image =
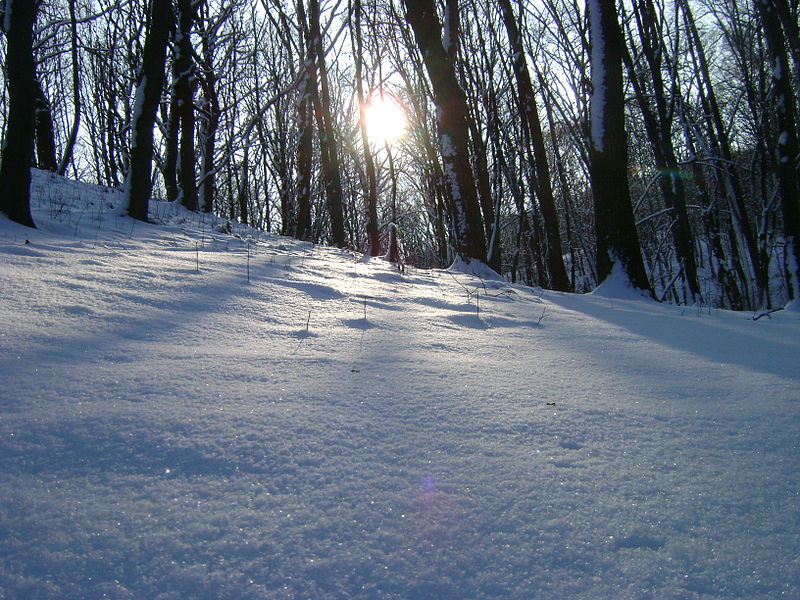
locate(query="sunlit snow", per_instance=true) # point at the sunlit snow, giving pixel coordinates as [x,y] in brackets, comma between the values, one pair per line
[334,429]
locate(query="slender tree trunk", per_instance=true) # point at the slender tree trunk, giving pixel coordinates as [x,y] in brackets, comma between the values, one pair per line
[329,152]
[209,136]
[15,168]
[243,195]
[529,113]
[658,126]
[617,239]
[372,224]
[171,144]
[138,183]
[730,179]
[66,157]
[393,253]
[304,153]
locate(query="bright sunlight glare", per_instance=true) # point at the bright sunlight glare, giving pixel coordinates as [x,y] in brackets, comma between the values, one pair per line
[384,118]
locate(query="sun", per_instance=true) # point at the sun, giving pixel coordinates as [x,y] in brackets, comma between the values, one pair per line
[384,118]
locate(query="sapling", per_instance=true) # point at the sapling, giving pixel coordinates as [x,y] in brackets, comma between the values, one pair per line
[544,312]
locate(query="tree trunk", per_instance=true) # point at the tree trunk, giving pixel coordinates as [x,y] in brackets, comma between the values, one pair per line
[15,168]
[529,113]
[45,136]
[305,150]
[66,157]
[729,177]
[371,199]
[658,126]
[470,241]
[787,154]
[171,144]
[617,240]
[184,92]
[209,136]
[138,184]
[243,195]
[329,153]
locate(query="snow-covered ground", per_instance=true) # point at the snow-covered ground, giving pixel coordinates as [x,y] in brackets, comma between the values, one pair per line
[334,429]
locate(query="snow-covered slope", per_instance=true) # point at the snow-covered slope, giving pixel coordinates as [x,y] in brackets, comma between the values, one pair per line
[334,429]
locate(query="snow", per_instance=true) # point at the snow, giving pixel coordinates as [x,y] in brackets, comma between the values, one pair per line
[476,268]
[618,285]
[336,429]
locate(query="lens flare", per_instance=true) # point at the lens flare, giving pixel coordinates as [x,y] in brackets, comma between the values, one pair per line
[434,512]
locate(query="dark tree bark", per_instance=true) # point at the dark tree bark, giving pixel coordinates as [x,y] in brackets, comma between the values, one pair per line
[305,148]
[184,92]
[470,240]
[45,136]
[617,240]
[66,157]
[243,192]
[15,168]
[169,170]
[211,119]
[787,153]
[329,153]
[369,163]
[138,183]
[726,170]
[529,113]
[658,125]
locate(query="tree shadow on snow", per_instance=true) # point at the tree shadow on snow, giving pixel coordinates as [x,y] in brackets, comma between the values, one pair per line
[721,336]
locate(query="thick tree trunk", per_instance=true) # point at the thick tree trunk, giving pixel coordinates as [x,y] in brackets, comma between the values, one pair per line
[787,152]
[138,183]
[184,92]
[470,240]
[15,168]
[617,239]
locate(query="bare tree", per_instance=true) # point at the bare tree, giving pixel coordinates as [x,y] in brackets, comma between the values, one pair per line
[470,241]
[138,184]
[371,203]
[15,167]
[657,116]
[617,239]
[529,114]
[787,152]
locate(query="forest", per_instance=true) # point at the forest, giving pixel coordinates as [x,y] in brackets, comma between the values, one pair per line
[556,141]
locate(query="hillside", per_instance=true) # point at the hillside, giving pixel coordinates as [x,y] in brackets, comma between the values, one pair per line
[186,413]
